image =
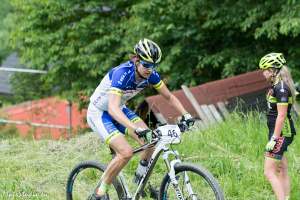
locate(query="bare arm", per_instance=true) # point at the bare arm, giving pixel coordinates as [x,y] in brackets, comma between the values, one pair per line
[282,111]
[165,92]
[115,111]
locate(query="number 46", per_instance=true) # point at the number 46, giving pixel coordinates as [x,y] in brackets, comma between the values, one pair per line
[172,133]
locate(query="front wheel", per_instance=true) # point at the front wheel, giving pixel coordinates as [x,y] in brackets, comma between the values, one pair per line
[84,179]
[194,182]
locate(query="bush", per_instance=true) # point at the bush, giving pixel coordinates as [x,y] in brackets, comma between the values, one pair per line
[8,131]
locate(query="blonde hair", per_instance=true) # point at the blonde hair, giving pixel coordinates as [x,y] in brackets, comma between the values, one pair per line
[286,77]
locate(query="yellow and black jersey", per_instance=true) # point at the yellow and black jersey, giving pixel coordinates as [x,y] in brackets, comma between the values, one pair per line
[279,94]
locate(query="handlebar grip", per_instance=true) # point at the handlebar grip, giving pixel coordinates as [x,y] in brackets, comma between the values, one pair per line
[182,126]
[143,133]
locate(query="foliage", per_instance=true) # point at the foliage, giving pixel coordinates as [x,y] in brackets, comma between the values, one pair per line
[232,151]
[4,28]
[30,86]
[205,40]
[76,41]
[202,40]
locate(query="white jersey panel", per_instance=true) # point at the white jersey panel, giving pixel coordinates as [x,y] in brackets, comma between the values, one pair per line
[121,78]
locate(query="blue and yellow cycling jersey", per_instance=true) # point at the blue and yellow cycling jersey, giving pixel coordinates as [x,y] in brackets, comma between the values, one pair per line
[121,81]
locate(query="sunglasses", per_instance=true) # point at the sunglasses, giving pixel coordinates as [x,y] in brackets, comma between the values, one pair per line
[148,65]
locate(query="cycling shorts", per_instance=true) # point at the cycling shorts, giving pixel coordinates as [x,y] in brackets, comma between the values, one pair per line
[281,146]
[105,126]
[282,143]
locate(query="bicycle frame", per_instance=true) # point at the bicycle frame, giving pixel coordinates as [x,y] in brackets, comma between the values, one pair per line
[164,137]
[159,148]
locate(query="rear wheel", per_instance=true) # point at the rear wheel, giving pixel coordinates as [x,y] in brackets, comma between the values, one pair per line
[85,177]
[194,182]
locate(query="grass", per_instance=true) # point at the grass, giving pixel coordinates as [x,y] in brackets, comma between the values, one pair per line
[232,151]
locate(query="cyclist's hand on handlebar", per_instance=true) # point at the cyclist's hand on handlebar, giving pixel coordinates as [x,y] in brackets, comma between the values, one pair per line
[144,133]
[187,120]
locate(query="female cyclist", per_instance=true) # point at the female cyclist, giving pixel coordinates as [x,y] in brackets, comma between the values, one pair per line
[280,98]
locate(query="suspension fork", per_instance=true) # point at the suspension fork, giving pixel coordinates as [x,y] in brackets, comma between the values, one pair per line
[189,186]
[173,179]
[166,154]
[171,168]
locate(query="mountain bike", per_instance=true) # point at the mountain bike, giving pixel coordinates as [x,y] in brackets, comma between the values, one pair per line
[182,181]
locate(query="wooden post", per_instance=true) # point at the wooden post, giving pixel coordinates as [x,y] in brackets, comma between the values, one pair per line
[200,125]
[195,104]
[208,113]
[69,113]
[215,112]
[223,109]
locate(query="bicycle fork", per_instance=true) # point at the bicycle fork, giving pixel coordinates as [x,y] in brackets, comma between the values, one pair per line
[189,187]
[173,178]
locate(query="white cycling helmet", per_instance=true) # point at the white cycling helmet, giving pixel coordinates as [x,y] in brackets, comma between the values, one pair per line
[148,51]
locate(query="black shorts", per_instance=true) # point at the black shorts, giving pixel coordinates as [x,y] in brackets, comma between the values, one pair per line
[281,146]
[286,138]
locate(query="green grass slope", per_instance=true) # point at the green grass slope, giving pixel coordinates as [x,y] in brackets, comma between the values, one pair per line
[232,151]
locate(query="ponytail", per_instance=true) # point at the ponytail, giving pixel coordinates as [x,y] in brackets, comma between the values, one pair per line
[286,77]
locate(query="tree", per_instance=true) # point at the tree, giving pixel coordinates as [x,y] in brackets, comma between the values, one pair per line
[77,41]
[4,28]
[206,40]
[202,40]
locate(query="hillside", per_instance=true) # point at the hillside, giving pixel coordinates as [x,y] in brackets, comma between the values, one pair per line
[232,151]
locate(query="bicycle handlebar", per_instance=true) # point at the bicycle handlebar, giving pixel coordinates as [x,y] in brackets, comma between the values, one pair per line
[182,126]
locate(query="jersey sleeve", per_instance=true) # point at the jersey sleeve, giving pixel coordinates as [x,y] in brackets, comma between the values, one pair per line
[282,94]
[155,80]
[118,81]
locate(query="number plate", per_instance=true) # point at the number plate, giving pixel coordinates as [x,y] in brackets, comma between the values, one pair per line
[170,134]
